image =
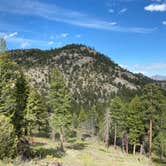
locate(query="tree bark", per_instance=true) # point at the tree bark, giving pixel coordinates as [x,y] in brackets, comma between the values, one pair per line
[127,143]
[150,136]
[161,153]
[134,147]
[53,135]
[61,139]
[123,145]
[115,133]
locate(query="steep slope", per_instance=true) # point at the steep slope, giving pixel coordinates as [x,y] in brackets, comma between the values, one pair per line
[90,75]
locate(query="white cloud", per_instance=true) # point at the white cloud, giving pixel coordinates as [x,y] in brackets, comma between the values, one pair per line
[111,10]
[150,67]
[55,13]
[24,44]
[50,43]
[64,35]
[78,36]
[156,7]
[123,10]
[164,22]
[8,36]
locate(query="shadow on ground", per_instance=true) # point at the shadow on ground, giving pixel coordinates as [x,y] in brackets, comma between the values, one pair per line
[77,146]
[160,162]
[43,152]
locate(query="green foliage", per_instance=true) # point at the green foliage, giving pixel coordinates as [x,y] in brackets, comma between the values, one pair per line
[36,112]
[8,139]
[135,121]
[59,100]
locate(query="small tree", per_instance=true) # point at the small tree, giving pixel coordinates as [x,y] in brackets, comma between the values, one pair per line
[59,100]
[116,107]
[135,122]
[8,139]
[36,112]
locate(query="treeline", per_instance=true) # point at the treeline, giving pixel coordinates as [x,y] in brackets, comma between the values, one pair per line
[137,125]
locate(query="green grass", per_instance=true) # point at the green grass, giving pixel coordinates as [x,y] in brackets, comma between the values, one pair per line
[78,153]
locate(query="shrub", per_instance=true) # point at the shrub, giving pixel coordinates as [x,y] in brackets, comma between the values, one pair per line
[8,140]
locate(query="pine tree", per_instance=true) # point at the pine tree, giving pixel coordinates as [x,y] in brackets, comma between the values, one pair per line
[107,126]
[116,110]
[135,122]
[59,99]
[152,97]
[13,96]
[36,112]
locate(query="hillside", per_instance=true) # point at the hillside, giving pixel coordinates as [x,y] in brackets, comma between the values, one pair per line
[90,75]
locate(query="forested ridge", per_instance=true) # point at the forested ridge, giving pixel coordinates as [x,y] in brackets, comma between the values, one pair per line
[75,96]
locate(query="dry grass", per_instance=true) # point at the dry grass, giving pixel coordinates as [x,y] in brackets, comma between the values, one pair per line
[78,153]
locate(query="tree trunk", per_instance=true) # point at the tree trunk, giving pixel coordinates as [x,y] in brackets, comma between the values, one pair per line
[134,147]
[115,133]
[127,143]
[150,136]
[141,149]
[53,135]
[123,145]
[161,153]
[61,139]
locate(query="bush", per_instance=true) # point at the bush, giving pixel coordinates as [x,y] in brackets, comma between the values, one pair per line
[8,139]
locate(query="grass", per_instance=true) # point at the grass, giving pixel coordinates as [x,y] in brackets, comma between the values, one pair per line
[79,153]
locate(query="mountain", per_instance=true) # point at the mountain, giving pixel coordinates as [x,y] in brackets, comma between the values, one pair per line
[90,75]
[159,77]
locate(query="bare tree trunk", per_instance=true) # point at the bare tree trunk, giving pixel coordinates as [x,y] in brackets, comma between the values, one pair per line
[115,133]
[161,153]
[134,147]
[142,148]
[150,137]
[123,145]
[53,135]
[127,143]
[61,139]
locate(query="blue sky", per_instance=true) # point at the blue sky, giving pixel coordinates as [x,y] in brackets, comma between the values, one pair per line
[131,32]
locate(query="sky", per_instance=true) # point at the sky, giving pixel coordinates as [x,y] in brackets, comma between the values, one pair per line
[131,32]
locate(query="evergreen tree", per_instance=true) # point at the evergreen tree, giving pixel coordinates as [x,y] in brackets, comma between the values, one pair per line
[116,111]
[36,112]
[135,122]
[106,127]
[152,98]
[13,95]
[59,99]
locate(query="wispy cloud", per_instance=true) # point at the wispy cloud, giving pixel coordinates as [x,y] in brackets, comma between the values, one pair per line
[22,42]
[164,22]
[78,35]
[146,69]
[56,13]
[7,36]
[123,10]
[156,7]
[111,10]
